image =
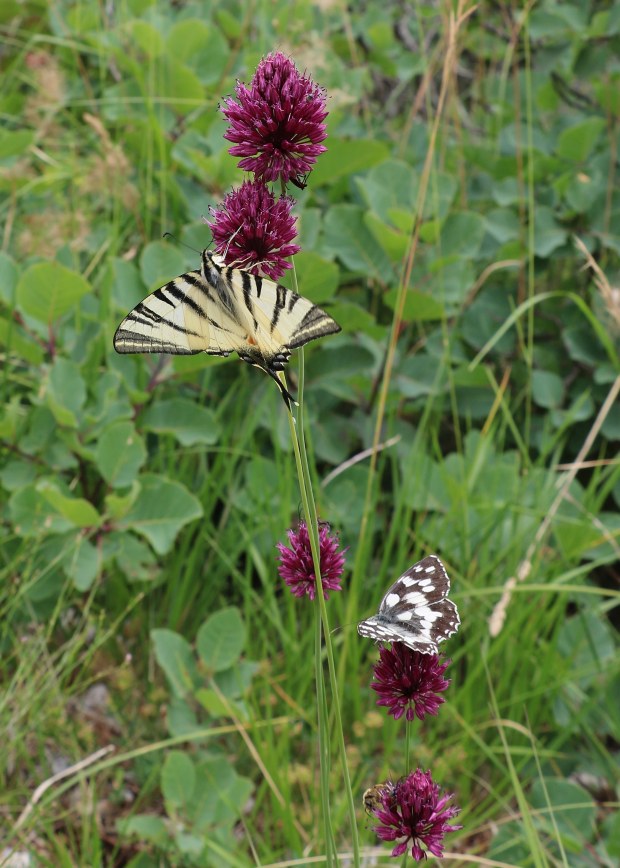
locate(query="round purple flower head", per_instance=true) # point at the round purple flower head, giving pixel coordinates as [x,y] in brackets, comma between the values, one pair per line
[297,569]
[253,231]
[409,682]
[412,809]
[277,123]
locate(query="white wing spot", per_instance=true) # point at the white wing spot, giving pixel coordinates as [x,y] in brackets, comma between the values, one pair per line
[415,598]
[405,616]
[427,614]
[408,581]
[392,600]
[429,570]
[424,582]
[417,569]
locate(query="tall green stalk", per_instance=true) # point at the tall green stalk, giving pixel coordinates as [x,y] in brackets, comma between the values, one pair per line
[310,515]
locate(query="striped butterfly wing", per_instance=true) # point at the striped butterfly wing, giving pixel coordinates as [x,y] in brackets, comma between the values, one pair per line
[182,317]
[279,319]
[219,310]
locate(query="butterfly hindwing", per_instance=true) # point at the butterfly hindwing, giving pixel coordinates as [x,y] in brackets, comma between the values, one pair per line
[283,320]
[416,610]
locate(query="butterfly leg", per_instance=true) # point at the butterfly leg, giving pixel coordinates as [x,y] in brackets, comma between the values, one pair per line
[286,395]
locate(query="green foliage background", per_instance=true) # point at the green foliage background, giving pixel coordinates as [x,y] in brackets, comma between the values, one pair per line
[142,497]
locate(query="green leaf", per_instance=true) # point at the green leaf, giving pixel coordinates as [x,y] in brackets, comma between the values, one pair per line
[189,422]
[127,286]
[391,190]
[347,156]
[318,278]
[32,514]
[577,141]
[161,262]
[160,511]
[66,392]
[347,237]
[77,510]
[462,234]
[186,38]
[82,564]
[16,474]
[174,655]
[119,455]
[608,91]
[179,86]
[8,279]
[391,184]
[503,224]
[178,780]
[203,48]
[146,827]
[48,290]
[117,506]
[18,343]
[181,715]
[392,241]
[221,639]
[133,556]
[583,190]
[419,306]
[547,388]
[15,143]
[574,811]
[145,37]
[418,376]
[549,235]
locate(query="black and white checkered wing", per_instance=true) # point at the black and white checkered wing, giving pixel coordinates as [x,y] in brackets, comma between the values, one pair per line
[416,610]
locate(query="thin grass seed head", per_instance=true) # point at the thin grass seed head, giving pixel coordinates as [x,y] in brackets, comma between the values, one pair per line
[277,123]
[254,231]
[414,810]
[297,568]
[409,683]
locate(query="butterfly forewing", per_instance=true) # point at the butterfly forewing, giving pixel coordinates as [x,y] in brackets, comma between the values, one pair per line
[416,610]
[179,318]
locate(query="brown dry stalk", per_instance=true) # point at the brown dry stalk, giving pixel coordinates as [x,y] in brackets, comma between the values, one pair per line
[498,616]
[455,22]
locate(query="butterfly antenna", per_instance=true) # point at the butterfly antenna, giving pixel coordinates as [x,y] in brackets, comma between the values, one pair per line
[181,243]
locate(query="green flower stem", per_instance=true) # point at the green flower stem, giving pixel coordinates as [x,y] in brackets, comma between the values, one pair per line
[309,506]
[305,484]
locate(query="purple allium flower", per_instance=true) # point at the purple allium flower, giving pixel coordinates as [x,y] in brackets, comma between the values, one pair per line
[253,231]
[409,682]
[277,122]
[412,809]
[297,569]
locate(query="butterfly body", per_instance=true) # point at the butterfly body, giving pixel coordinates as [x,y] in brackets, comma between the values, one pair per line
[416,610]
[218,310]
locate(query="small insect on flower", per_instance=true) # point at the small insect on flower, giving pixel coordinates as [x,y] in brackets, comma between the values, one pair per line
[297,567]
[415,811]
[416,610]
[301,181]
[374,797]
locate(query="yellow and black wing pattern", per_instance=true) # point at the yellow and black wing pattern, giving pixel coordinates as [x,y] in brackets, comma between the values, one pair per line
[220,309]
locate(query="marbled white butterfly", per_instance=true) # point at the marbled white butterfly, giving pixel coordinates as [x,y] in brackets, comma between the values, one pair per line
[416,610]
